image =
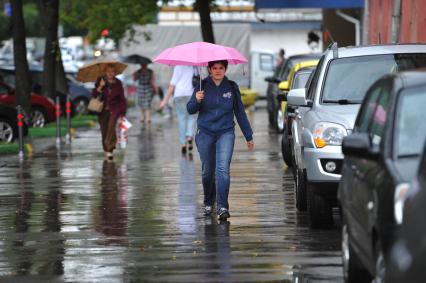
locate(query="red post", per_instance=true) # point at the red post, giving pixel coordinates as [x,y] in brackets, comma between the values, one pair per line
[58,120]
[20,131]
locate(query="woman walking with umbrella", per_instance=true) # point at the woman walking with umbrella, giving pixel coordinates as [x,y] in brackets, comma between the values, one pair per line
[217,101]
[216,105]
[111,91]
[146,85]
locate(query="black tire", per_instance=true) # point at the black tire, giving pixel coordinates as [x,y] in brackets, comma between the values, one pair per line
[380,263]
[38,117]
[8,131]
[279,120]
[286,148]
[320,212]
[353,270]
[301,199]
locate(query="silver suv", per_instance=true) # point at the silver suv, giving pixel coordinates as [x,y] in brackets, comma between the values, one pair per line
[326,113]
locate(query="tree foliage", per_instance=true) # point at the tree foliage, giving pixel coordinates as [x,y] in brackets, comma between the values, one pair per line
[117,16]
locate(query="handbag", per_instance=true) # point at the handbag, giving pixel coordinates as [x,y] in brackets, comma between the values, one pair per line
[95,105]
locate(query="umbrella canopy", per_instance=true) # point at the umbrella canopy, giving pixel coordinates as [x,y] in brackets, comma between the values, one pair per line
[90,72]
[199,54]
[137,59]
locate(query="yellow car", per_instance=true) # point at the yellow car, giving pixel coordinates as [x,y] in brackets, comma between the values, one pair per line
[248,96]
[285,86]
[297,78]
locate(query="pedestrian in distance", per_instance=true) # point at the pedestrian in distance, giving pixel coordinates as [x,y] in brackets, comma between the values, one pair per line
[280,59]
[181,89]
[217,104]
[145,90]
[111,91]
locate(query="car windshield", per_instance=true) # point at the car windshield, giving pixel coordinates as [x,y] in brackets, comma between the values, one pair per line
[348,79]
[300,79]
[410,126]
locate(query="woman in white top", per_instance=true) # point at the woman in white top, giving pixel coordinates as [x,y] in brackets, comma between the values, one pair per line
[181,88]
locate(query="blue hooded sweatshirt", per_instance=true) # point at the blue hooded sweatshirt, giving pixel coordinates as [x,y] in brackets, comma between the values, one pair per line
[217,109]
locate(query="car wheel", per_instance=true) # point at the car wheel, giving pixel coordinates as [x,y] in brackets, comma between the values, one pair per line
[279,121]
[353,270]
[301,201]
[81,106]
[7,135]
[320,212]
[380,265]
[286,149]
[38,117]
[269,107]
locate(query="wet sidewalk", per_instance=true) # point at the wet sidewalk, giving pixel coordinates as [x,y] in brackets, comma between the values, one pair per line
[70,216]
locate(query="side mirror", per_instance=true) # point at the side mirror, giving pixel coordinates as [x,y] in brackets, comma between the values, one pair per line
[359,145]
[283,86]
[272,80]
[297,97]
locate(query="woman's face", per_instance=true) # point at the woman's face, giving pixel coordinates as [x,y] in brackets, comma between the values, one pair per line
[217,71]
[110,73]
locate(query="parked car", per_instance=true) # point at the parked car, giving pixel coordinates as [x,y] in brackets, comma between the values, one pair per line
[79,94]
[7,74]
[327,112]
[297,78]
[9,124]
[42,108]
[381,158]
[280,75]
[408,255]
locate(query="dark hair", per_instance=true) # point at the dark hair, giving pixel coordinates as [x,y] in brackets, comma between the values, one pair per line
[222,62]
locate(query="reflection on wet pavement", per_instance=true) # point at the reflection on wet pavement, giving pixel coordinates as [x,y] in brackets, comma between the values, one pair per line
[69,216]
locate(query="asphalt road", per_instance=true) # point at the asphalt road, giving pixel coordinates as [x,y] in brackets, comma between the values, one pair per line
[69,216]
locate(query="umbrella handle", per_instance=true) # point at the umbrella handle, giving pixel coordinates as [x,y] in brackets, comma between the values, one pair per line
[199,73]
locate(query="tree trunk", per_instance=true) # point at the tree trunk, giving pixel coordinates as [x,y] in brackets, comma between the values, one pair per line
[203,7]
[61,81]
[22,74]
[50,14]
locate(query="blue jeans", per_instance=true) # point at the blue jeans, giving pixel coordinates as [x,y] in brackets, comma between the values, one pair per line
[186,122]
[216,155]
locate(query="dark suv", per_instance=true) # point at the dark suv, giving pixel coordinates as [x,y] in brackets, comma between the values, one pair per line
[381,158]
[281,74]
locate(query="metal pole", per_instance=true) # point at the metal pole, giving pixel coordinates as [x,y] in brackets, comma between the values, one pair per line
[396,19]
[199,73]
[58,121]
[355,21]
[20,131]
[68,110]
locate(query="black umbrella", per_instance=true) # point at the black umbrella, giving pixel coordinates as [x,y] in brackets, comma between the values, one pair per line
[137,59]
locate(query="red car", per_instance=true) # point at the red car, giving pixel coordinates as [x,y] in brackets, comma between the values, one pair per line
[42,108]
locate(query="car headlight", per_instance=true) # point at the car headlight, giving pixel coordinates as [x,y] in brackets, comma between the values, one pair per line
[399,199]
[328,134]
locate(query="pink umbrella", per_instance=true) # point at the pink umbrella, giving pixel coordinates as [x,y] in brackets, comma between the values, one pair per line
[199,54]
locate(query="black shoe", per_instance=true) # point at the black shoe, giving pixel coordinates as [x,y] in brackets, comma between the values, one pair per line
[223,214]
[208,209]
[190,147]
[183,149]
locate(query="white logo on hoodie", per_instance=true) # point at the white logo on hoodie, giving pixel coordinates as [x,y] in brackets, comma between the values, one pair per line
[227,94]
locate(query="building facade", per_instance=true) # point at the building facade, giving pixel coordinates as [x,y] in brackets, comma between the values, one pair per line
[401,21]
